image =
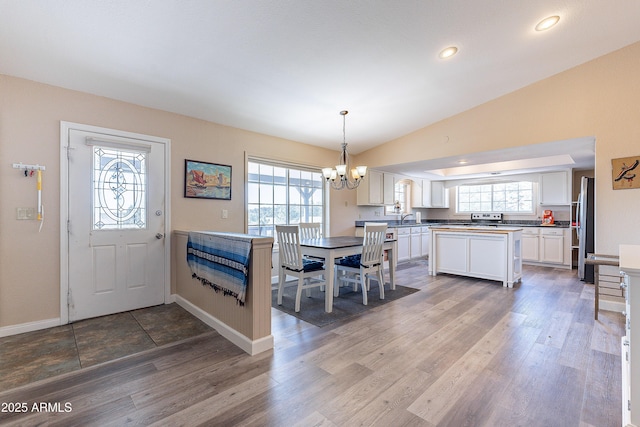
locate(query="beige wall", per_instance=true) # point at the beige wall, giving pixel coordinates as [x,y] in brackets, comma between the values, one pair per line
[600,98]
[30,115]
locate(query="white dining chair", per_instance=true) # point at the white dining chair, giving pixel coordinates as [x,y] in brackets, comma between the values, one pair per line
[358,268]
[293,264]
[310,230]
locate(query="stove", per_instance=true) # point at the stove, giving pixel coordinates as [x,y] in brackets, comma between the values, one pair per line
[486,219]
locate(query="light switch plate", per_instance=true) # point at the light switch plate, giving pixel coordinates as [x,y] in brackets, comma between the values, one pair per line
[25,213]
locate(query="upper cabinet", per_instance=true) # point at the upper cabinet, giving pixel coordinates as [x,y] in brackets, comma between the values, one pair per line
[555,188]
[376,189]
[389,188]
[439,195]
[430,194]
[369,192]
[416,193]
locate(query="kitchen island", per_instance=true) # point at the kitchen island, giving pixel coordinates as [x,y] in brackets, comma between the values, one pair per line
[493,253]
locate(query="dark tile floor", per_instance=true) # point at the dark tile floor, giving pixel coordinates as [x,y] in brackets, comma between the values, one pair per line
[37,355]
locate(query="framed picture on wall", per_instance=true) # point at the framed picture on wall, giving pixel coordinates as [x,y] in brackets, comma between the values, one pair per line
[203,180]
[626,172]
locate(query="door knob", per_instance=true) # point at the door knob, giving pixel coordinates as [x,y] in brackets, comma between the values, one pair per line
[159,236]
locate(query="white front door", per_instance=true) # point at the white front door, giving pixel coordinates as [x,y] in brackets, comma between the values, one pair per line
[116,222]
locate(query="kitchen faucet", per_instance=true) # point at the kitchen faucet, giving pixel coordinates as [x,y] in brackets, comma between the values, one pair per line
[403,217]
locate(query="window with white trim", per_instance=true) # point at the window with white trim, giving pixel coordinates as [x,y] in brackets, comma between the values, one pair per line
[280,194]
[508,197]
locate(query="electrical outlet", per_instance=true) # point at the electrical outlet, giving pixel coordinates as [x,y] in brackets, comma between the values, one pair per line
[25,213]
[225,214]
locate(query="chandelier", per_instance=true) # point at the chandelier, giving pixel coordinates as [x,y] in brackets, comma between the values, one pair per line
[343,176]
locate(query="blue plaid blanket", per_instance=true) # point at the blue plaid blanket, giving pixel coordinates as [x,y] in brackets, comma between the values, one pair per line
[220,260]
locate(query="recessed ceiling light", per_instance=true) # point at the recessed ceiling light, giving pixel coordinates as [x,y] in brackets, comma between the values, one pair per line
[547,23]
[448,52]
[462,162]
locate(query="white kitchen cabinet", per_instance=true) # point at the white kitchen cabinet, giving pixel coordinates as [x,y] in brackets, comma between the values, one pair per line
[439,195]
[554,188]
[376,189]
[531,244]
[452,253]
[434,194]
[416,193]
[404,243]
[630,345]
[416,242]
[424,237]
[413,242]
[370,190]
[426,193]
[552,246]
[494,255]
[388,188]
[487,256]
[548,246]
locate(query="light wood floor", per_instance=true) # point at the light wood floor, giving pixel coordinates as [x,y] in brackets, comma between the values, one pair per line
[461,352]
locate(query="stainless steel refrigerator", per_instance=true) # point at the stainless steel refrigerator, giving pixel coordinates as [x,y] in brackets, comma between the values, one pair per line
[585,227]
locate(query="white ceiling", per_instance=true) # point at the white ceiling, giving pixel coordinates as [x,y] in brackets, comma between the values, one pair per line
[287,68]
[578,153]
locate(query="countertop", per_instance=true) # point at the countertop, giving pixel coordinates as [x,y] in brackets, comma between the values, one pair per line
[630,257]
[439,223]
[475,229]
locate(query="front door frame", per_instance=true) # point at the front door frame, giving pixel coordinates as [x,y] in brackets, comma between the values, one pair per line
[65,128]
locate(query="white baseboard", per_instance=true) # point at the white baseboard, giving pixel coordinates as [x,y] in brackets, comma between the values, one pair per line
[242,341]
[6,331]
[545,264]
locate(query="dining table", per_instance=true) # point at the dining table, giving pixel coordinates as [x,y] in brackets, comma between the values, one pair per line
[334,247]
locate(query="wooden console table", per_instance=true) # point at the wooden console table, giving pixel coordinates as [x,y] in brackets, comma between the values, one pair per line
[597,260]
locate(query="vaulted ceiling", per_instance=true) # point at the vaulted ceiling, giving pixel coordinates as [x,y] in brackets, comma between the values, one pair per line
[287,68]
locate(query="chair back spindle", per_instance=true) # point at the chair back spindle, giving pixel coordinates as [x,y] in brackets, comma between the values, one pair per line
[310,230]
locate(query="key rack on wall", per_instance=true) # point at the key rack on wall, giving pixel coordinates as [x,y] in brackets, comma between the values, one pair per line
[28,168]
[28,172]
